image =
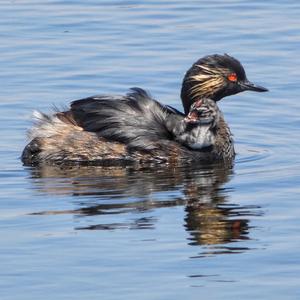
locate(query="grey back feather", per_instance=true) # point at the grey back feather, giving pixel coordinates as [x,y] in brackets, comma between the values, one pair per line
[135,119]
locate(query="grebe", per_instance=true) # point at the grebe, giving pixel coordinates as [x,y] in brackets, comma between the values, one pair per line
[135,128]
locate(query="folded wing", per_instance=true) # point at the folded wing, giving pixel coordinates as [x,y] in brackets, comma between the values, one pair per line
[135,119]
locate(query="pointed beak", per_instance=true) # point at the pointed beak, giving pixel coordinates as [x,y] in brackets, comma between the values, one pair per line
[249,86]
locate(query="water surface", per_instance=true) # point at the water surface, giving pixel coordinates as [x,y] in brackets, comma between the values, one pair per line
[164,233]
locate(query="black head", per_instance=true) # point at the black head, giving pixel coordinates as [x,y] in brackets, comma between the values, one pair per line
[215,76]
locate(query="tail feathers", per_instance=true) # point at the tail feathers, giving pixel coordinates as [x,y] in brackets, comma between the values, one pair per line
[50,125]
[47,133]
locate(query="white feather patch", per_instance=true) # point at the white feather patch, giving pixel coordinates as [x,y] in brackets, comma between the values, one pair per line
[46,126]
[200,137]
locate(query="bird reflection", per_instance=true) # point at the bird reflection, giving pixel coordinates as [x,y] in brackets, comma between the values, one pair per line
[210,218]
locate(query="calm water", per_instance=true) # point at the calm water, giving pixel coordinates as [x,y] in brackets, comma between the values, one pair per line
[117,233]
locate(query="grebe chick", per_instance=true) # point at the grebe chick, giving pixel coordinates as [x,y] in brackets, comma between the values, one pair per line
[108,130]
[198,129]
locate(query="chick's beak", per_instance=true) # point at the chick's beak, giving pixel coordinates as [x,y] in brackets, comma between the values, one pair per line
[249,86]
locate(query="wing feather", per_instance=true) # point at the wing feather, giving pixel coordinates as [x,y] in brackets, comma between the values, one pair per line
[135,119]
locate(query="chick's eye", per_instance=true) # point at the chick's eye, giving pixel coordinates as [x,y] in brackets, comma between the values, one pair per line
[232,77]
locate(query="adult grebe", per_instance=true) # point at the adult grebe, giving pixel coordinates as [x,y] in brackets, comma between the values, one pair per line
[135,128]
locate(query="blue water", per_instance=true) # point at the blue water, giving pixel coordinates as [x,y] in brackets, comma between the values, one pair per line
[117,233]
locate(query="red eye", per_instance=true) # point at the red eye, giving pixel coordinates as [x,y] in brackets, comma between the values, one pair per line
[232,77]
